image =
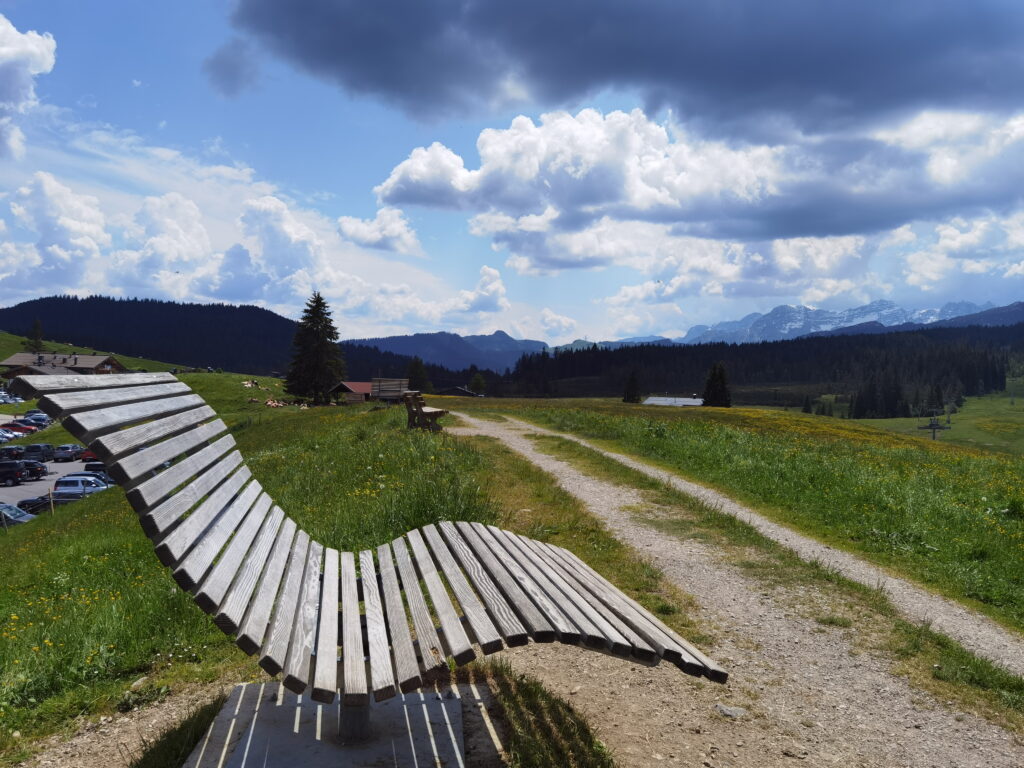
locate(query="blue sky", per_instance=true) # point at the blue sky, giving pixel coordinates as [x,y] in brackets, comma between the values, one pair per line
[558,170]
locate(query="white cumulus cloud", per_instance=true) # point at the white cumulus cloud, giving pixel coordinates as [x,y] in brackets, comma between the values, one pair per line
[388,230]
[23,56]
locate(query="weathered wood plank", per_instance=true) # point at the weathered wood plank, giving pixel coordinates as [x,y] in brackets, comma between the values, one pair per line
[298,662]
[31,387]
[459,646]
[233,606]
[261,603]
[536,623]
[431,653]
[511,627]
[382,678]
[325,665]
[134,466]
[406,668]
[65,403]
[275,647]
[88,425]
[215,586]
[149,492]
[193,567]
[486,635]
[589,634]
[354,692]
[114,446]
[158,520]
[625,642]
[564,629]
[676,649]
[173,547]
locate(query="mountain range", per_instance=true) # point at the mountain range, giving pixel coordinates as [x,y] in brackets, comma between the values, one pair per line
[255,340]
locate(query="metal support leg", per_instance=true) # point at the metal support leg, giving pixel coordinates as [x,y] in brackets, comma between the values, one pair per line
[354,725]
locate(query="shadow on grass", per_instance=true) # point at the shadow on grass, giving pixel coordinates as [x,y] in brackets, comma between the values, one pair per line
[174,745]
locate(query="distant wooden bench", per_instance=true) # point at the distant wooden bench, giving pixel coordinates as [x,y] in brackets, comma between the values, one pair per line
[389,390]
[331,620]
[420,414]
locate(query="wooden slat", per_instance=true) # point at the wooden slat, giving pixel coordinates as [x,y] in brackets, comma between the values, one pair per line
[275,647]
[88,425]
[173,547]
[215,586]
[536,623]
[325,666]
[577,610]
[431,652]
[273,537]
[261,603]
[134,466]
[191,570]
[157,521]
[624,640]
[620,643]
[564,629]
[458,641]
[111,447]
[151,491]
[31,387]
[486,635]
[353,689]
[511,627]
[298,663]
[406,668]
[66,403]
[692,658]
[382,678]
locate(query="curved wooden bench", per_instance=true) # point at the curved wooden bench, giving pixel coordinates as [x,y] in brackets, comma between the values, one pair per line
[278,592]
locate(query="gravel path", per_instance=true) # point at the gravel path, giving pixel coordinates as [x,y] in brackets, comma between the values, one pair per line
[807,693]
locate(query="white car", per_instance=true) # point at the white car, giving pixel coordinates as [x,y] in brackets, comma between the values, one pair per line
[77,487]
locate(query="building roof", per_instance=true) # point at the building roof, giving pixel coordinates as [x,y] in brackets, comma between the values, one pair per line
[51,359]
[676,401]
[359,387]
[457,392]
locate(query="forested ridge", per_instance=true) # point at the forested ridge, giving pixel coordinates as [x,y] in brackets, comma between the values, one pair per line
[877,375]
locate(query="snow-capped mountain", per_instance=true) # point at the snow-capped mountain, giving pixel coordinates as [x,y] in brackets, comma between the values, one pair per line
[789,322]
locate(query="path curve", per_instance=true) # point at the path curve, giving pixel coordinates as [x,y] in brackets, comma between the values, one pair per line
[974,631]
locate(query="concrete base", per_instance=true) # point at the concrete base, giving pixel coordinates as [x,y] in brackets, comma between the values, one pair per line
[266,726]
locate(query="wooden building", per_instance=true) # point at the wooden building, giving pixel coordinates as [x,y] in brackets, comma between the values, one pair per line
[59,364]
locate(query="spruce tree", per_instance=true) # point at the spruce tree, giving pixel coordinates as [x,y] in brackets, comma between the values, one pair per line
[34,342]
[632,393]
[317,365]
[417,375]
[478,385]
[716,390]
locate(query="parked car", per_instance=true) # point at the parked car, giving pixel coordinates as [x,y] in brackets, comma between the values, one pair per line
[77,486]
[100,470]
[88,455]
[35,412]
[13,516]
[35,504]
[35,469]
[12,473]
[12,452]
[68,452]
[39,451]
[22,429]
[40,421]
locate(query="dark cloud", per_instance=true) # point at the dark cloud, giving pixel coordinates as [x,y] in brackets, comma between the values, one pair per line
[813,65]
[233,67]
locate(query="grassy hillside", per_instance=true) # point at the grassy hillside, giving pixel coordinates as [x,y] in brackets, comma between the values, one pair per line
[948,516]
[993,422]
[10,343]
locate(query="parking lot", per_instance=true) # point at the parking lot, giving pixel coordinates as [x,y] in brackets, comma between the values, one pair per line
[26,490]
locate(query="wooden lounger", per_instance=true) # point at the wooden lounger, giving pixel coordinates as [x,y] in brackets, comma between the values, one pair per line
[359,622]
